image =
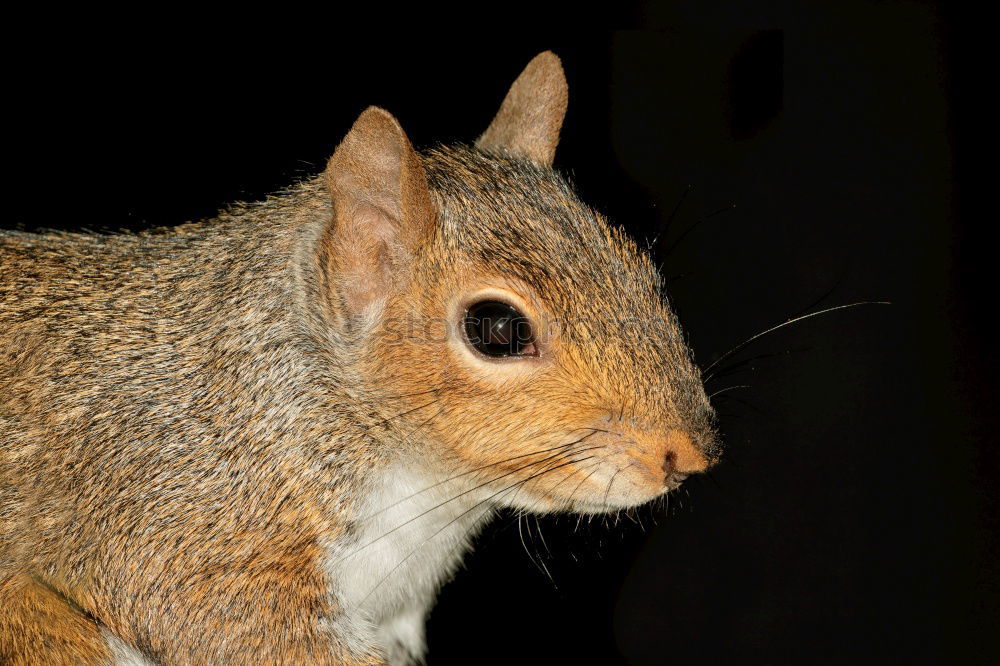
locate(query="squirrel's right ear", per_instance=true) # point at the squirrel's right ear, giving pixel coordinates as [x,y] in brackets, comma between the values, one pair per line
[532,113]
[382,210]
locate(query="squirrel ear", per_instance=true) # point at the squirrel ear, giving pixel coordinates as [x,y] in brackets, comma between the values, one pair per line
[382,209]
[532,113]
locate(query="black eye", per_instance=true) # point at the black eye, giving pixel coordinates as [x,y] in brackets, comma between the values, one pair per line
[498,329]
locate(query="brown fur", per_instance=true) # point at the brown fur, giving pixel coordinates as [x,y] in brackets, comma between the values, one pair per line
[188,417]
[43,627]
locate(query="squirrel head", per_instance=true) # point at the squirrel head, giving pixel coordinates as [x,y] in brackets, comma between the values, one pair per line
[517,335]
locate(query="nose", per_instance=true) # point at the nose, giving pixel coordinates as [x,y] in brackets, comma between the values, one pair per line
[669,464]
[682,456]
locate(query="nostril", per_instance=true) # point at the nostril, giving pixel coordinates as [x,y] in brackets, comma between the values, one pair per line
[669,464]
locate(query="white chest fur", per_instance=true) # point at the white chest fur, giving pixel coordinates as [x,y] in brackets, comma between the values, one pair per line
[415,527]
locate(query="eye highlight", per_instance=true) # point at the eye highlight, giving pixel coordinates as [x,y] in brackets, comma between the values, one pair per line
[497,329]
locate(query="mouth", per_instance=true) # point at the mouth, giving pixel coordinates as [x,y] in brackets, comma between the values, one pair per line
[609,504]
[614,473]
[674,481]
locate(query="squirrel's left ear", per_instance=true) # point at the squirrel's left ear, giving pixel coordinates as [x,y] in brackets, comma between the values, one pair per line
[532,113]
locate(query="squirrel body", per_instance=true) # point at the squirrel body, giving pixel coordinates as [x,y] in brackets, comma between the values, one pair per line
[269,437]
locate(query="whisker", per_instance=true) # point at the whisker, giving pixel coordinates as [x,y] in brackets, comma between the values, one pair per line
[541,560]
[694,225]
[825,295]
[680,276]
[389,419]
[665,227]
[637,518]
[714,480]
[748,405]
[538,563]
[538,527]
[736,366]
[613,477]
[728,388]
[570,476]
[552,489]
[436,389]
[423,424]
[596,466]
[782,325]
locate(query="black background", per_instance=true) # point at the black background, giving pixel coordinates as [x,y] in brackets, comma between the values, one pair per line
[852,519]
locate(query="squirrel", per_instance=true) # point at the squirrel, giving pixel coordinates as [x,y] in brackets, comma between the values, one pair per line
[269,437]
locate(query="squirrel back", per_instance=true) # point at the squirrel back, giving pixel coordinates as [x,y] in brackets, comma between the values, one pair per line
[268,437]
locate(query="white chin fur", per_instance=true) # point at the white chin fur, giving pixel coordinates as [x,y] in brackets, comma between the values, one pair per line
[413,531]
